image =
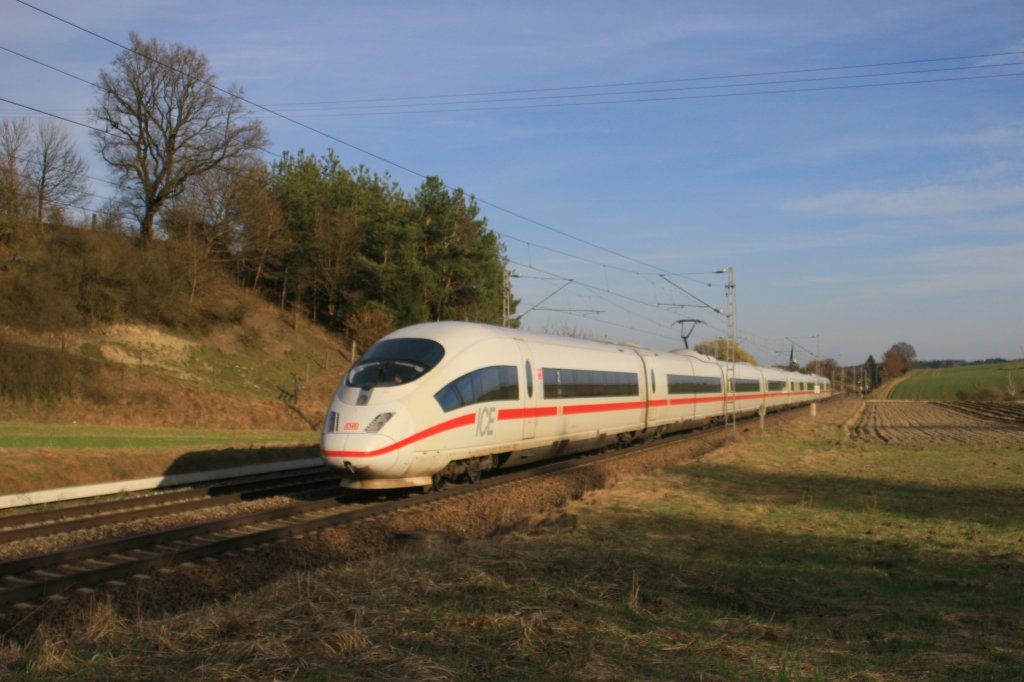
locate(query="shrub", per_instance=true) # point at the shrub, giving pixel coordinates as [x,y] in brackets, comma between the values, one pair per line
[71,277]
[28,373]
[369,324]
[987,394]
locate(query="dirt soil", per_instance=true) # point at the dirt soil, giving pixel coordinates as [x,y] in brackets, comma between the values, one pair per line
[920,423]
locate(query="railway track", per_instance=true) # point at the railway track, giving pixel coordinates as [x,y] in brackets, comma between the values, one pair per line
[68,518]
[27,580]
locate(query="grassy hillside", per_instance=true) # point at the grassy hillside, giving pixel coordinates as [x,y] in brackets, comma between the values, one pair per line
[971,382]
[263,369]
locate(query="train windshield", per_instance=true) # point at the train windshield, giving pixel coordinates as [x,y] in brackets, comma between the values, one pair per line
[395,361]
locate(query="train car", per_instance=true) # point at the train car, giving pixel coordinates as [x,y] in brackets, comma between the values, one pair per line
[449,400]
[695,386]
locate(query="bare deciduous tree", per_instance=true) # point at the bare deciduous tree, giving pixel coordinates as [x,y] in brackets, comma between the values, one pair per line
[204,219]
[167,123]
[15,139]
[56,171]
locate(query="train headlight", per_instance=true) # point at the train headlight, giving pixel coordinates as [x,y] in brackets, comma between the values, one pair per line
[379,421]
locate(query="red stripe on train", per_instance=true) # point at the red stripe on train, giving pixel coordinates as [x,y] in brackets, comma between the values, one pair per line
[603,407]
[527,413]
[464,420]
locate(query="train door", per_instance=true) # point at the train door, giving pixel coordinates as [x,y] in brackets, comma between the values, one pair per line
[647,385]
[531,391]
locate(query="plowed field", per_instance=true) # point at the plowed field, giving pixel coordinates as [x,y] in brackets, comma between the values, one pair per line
[921,423]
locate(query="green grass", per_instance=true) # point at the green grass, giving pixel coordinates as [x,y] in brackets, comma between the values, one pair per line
[46,456]
[951,383]
[24,436]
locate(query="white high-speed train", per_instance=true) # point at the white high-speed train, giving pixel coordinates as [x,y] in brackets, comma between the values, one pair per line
[448,400]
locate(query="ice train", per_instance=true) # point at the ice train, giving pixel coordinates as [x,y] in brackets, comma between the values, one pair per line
[449,400]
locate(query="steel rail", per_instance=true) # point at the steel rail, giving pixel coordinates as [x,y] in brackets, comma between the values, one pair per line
[72,508]
[163,507]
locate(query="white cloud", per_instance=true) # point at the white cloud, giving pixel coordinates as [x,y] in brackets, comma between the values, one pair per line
[955,270]
[1006,140]
[934,200]
[973,258]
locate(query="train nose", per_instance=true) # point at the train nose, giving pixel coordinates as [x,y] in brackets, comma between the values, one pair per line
[360,454]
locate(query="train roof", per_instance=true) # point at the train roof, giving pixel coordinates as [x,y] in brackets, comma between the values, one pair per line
[687,353]
[453,334]
[460,334]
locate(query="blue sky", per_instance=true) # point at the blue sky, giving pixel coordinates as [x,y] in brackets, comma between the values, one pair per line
[860,215]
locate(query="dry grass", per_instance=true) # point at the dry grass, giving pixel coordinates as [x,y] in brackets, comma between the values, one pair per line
[779,557]
[145,375]
[45,469]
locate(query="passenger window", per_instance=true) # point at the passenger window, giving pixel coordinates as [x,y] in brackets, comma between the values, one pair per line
[529,380]
[654,387]
[482,386]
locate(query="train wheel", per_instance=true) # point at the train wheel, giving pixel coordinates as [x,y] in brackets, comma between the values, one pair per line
[437,482]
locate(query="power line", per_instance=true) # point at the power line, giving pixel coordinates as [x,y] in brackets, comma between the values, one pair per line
[34,196]
[583,284]
[377,108]
[670,80]
[36,61]
[599,290]
[568,255]
[36,162]
[87,82]
[62,118]
[783,91]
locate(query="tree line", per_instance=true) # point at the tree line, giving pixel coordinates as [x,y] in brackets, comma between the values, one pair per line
[345,246]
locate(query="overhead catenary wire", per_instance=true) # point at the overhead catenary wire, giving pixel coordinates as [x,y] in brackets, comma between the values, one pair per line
[599,291]
[384,108]
[756,93]
[760,74]
[425,100]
